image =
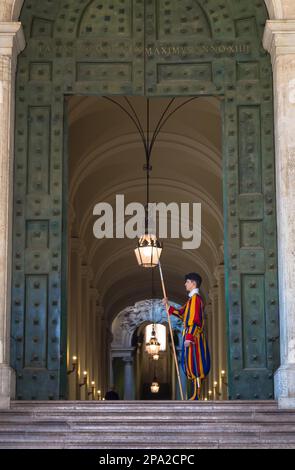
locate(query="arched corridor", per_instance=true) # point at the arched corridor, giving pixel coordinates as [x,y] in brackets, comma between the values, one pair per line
[106,159]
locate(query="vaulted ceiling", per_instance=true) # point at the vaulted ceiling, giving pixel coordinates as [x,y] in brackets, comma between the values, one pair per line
[106,158]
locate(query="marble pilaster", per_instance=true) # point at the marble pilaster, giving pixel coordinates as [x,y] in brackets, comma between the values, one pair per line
[279,40]
[12,42]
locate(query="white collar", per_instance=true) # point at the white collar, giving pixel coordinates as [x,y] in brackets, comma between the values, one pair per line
[193,292]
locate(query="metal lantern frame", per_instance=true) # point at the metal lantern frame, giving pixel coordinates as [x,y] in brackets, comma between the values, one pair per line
[148,242]
[153,347]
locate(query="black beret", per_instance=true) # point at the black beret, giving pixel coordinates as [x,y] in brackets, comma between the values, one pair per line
[194,277]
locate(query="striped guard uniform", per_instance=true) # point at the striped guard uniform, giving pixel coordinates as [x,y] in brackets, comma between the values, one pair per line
[196,358]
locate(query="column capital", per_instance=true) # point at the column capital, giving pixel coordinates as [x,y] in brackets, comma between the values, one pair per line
[71,216]
[12,39]
[94,293]
[219,272]
[279,37]
[84,271]
[99,310]
[109,334]
[221,252]
[87,272]
[104,320]
[208,309]
[90,274]
[213,293]
[77,245]
[128,360]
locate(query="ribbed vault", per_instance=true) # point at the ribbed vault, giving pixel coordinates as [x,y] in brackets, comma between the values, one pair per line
[106,158]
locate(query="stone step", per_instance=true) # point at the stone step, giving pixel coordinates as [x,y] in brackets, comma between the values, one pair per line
[172,422]
[143,408]
[209,443]
[49,428]
[146,425]
[130,420]
[108,433]
[144,412]
[156,441]
[153,435]
[134,446]
[133,411]
[142,405]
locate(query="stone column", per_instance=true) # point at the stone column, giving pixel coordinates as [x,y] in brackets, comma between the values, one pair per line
[214,346]
[12,42]
[83,329]
[73,242]
[222,339]
[106,341]
[108,353]
[93,338]
[96,345]
[88,337]
[111,371]
[128,378]
[74,303]
[210,342]
[104,346]
[138,369]
[204,391]
[99,314]
[279,40]
[88,333]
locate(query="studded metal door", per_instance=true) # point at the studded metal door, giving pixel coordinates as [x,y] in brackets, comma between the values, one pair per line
[73,47]
[156,48]
[210,47]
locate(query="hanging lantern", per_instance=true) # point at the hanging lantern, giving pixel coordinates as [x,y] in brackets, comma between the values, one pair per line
[155,387]
[148,251]
[153,346]
[156,357]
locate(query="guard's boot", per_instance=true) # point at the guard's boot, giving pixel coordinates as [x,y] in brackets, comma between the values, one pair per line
[197,391]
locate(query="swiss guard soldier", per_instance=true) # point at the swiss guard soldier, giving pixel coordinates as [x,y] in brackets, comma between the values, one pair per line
[195,352]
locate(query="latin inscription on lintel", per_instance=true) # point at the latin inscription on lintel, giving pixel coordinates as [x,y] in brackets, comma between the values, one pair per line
[104,49]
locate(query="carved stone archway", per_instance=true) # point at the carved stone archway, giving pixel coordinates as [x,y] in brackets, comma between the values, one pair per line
[124,326]
[127,321]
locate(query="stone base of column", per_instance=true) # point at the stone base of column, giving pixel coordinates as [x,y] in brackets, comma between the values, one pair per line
[285,386]
[7,386]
